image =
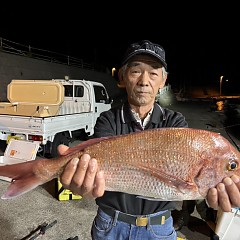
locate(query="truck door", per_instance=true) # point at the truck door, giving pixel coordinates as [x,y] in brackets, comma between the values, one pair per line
[102,100]
[76,99]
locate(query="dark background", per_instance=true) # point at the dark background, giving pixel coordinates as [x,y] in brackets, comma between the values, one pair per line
[201,41]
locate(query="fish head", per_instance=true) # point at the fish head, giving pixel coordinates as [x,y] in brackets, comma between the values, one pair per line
[221,160]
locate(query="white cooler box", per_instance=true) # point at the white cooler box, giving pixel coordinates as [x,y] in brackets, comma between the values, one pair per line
[228,225]
[18,151]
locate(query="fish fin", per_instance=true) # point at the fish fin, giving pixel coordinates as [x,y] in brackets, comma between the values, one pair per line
[23,178]
[169,179]
[83,145]
[20,187]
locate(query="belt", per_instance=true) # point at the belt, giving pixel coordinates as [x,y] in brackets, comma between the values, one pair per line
[140,221]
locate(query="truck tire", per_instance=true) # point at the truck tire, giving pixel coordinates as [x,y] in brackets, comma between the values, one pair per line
[3,146]
[60,138]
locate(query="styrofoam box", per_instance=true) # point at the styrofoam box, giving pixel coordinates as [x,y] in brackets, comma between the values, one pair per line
[228,225]
[18,151]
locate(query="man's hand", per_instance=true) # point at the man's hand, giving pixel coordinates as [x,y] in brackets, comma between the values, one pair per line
[81,176]
[225,195]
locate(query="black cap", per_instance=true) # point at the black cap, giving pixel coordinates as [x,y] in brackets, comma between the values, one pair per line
[145,47]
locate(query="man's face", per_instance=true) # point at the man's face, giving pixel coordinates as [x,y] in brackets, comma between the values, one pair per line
[142,79]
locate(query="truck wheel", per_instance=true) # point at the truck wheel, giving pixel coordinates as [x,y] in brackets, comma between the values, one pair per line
[59,139]
[3,146]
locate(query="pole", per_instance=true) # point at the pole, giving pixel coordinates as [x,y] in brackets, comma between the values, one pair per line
[220,90]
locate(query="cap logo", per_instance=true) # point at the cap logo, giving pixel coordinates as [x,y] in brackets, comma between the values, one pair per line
[153,48]
[149,47]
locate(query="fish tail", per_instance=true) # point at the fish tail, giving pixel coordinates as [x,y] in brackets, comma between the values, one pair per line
[23,179]
[19,187]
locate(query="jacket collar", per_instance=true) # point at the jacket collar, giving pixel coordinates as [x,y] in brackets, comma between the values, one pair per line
[127,116]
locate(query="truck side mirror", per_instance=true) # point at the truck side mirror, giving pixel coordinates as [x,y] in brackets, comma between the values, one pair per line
[109,100]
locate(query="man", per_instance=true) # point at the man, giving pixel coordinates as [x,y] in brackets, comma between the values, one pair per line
[125,216]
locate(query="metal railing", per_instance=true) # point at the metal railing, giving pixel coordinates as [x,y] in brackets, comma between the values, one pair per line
[41,54]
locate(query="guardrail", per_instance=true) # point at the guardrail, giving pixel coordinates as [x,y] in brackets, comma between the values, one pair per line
[41,54]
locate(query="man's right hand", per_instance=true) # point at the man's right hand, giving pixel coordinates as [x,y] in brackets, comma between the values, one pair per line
[82,176]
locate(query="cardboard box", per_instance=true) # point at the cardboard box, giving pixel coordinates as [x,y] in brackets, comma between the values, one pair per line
[228,223]
[18,151]
[64,194]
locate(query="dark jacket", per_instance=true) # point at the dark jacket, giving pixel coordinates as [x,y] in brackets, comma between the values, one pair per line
[119,121]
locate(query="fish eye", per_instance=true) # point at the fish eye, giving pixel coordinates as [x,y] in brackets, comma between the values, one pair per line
[232,165]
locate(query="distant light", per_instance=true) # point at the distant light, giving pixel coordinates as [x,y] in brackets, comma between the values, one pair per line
[113,71]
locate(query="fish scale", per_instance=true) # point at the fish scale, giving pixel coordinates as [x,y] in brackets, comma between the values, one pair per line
[172,164]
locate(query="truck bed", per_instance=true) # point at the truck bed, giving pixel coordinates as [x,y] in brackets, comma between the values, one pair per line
[45,126]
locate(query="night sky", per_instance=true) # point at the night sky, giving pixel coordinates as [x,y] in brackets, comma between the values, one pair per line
[201,43]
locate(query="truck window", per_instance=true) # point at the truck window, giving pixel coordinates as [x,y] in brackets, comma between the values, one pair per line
[68,90]
[79,91]
[100,94]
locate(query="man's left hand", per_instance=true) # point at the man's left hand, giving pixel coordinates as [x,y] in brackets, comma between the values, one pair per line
[225,195]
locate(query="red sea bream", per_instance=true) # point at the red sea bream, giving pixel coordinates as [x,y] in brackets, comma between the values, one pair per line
[168,164]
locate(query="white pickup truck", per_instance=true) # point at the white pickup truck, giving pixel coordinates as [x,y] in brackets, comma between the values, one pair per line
[51,112]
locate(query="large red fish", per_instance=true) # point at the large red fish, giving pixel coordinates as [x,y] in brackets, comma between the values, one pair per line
[167,163]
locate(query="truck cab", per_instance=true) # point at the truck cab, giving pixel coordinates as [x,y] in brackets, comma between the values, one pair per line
[78,97]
